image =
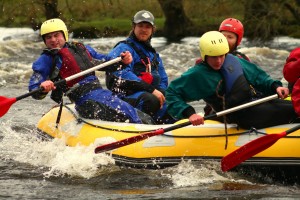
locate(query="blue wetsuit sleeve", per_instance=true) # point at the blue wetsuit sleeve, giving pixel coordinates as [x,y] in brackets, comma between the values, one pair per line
[41,71]
[129,79]
[163,75]
[97,55]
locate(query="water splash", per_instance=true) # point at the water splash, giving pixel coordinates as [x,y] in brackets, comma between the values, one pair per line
[53,156]
[186,174]
[204,173]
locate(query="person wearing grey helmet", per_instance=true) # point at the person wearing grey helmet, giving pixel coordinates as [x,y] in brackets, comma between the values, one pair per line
[143,16]
[143,82]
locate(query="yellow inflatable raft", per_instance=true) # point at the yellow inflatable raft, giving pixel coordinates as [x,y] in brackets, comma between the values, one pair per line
[206,142]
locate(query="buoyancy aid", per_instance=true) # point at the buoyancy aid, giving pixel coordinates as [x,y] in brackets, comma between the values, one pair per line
[74,59]
[146,69]
[237,88]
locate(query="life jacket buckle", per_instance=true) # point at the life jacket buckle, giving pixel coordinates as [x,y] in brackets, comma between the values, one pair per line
[148,65]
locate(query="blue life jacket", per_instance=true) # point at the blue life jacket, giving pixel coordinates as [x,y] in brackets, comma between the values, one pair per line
[237,89]
[124,86]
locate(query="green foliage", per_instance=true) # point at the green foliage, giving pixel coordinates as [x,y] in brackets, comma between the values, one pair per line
[113,17]
[101,15]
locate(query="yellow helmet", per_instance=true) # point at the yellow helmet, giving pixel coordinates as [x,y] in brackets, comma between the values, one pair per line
[53,25]
[213,43]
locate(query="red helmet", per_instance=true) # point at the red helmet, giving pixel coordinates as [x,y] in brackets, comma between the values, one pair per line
[235,26]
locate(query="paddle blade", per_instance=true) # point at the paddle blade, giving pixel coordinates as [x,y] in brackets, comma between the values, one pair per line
[127,141]
[5,104]
[248,150]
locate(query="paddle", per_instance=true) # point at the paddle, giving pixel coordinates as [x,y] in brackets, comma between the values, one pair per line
[134,139]
[5,102]
[250,149]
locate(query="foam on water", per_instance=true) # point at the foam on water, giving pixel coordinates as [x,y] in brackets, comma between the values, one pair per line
[191,174]
[54,157]
[13,33]
[22,154]
[22,46]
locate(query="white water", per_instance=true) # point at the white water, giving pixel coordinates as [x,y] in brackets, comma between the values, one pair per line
[28,162]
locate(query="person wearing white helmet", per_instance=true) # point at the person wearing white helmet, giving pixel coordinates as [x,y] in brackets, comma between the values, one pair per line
[225,81]
[62,59]
[144,81]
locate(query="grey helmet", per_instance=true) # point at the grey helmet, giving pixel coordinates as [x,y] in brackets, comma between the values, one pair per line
[143,16]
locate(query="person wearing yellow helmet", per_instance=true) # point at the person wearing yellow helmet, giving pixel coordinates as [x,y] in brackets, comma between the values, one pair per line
[233,30]
[62,59]
[53,25]
[224,81]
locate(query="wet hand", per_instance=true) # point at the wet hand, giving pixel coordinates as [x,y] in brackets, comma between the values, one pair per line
[282,92]
[160,97]
[48,86]
[126,57]
[196,119]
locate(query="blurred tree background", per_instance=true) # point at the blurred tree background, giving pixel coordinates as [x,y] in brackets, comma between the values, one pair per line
[174,19]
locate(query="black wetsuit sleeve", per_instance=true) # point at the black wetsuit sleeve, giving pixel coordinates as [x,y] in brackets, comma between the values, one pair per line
[188,112]
[275,86]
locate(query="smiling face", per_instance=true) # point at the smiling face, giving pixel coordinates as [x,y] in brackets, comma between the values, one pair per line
[143,31]
[215,62]
[54,40]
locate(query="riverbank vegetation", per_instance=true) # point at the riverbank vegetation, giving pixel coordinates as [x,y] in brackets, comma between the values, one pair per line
[108,18]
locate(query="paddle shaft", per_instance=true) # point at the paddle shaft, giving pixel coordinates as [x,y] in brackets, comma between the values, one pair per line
[292,129]
[110,62]
[5,102]
[252,148]
[144,136]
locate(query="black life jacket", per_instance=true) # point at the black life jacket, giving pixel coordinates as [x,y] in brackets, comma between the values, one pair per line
[237,89]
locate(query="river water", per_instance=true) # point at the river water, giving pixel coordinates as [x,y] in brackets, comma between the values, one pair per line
[34,169]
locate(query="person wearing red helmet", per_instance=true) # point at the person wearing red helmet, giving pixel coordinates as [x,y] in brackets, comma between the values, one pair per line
[233,30]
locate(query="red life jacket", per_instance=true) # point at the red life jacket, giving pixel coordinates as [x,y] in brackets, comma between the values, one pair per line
[75,58]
